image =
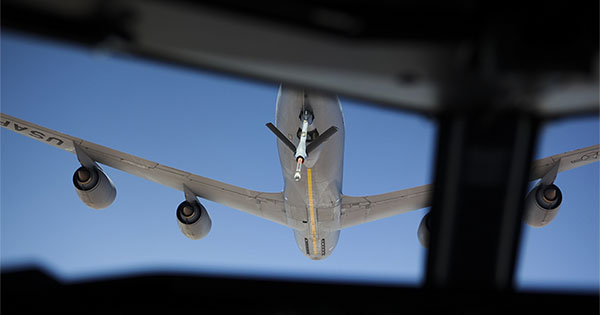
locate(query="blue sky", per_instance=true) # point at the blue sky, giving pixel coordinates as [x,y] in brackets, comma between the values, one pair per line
[214,126]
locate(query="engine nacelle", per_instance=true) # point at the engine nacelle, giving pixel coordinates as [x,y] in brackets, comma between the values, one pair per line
[94,188]
[542,205]
[193,220]
[424,230]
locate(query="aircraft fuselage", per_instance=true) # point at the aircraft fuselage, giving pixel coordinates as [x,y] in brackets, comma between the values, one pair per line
[312,204]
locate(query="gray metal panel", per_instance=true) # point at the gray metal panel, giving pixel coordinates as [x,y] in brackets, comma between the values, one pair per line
[266,205]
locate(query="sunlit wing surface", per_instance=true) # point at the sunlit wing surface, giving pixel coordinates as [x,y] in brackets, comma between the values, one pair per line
[265,205]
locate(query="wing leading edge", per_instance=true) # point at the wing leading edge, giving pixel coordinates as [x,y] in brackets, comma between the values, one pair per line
[358,210]
[269,206]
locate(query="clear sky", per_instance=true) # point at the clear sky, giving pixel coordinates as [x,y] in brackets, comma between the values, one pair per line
[214,126]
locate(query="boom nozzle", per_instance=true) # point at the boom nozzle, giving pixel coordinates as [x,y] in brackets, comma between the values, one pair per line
[297,175]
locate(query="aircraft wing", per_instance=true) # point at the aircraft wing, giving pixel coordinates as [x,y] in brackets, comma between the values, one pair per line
[265,205]
[357,210]
[568,160]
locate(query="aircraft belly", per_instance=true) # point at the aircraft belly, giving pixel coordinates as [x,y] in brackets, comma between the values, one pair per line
[313,204]
[322,196]
[297,215]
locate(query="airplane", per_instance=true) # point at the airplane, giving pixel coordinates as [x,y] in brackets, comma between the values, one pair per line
[310,130]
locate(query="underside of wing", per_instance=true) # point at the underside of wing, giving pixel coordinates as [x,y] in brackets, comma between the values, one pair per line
[269,206]
[357,210]
[568,160]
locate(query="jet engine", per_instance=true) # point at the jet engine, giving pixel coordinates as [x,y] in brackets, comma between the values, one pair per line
[542,205]
[94,188]
[193,219]
[423,231]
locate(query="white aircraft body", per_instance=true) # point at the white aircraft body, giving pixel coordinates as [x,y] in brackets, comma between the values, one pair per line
[310,129]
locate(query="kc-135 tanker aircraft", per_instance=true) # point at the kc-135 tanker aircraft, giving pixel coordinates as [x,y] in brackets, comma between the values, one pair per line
[310,131]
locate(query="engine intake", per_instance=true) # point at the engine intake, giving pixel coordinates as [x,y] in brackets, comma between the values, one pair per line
[542,205]
[193,220]
[94,187]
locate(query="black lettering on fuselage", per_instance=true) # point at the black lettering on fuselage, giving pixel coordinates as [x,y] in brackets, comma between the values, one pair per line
[37,134]
[4,123]
[58,141]
[19,128]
